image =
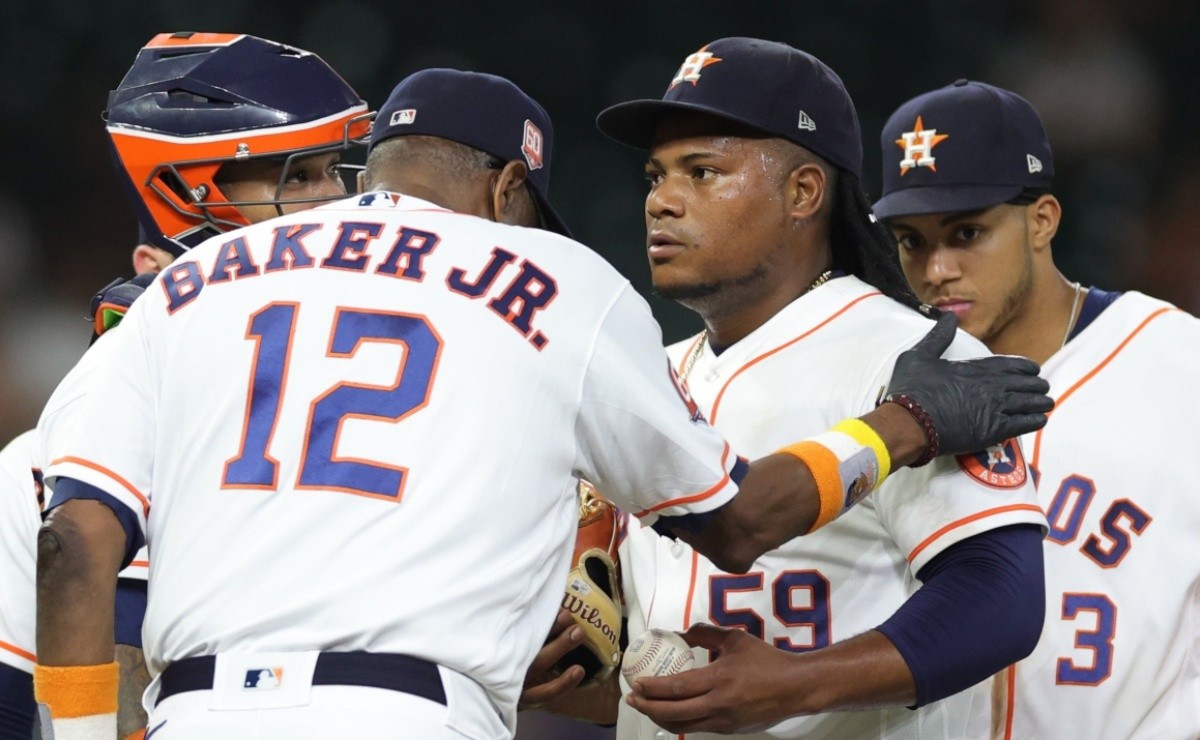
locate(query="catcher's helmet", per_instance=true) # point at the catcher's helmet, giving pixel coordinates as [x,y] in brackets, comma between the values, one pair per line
[194,101]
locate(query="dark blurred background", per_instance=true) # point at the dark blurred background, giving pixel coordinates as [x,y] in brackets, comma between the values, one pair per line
[1115,82]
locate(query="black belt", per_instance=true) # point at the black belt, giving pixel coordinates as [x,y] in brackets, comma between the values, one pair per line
[377,670]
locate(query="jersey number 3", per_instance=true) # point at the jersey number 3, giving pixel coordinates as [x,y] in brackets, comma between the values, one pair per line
[272,328]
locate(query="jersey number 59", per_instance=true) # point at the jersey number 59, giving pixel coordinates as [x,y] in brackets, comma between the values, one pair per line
[799,602]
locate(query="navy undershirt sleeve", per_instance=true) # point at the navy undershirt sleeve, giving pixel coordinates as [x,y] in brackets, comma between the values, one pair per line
[980,609]
[17,708]
[130,611]
[67,489]
[668,525]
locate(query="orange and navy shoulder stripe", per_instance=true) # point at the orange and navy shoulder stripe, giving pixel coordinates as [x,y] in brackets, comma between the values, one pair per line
[968,520]
[143,500]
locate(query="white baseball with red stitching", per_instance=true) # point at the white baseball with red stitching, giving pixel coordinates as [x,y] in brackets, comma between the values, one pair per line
[656,652]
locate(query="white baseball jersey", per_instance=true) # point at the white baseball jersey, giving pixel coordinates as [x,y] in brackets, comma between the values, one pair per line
[22,499]
[58,422]
[359,427]
[825,357]
[20,517]
[1119,655]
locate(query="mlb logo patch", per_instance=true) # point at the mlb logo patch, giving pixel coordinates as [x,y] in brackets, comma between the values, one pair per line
[263,678]
[378,200]
[403,117]
[531,147]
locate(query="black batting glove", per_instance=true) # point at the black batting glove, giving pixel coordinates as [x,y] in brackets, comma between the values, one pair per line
[967,405]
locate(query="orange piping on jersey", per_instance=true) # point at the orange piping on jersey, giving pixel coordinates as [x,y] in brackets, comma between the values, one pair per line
[140,564]
[101,469]
[967,520]
[18,651]
[1058,402]
[1012,701]
[712,418]
[687,605]
[695,497]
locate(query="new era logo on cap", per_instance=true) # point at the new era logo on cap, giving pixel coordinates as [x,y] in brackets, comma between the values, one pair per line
[403,117]
[806,122]
[1033,163]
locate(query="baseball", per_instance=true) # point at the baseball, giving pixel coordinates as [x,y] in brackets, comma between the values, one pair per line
[656,653]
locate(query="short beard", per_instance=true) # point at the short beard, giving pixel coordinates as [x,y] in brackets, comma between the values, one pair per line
[709,299]
[1013,302]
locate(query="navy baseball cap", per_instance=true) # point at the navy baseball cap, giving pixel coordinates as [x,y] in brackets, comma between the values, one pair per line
[963,147]
[484,112]
[766,85]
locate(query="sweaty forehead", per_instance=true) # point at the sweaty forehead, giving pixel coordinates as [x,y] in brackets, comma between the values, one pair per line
[704,130]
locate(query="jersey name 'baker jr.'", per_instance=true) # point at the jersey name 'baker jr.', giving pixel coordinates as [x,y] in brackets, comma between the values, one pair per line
[517,302]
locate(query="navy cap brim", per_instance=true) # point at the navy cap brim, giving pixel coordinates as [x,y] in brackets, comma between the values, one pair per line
[634,123]
[921,201]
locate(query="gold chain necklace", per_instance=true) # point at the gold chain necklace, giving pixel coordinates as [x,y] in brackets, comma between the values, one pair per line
[1071,321]
[699,348]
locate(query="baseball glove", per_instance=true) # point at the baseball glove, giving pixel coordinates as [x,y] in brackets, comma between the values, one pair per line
[593,591]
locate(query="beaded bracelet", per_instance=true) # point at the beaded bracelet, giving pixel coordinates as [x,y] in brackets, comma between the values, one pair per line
[932,442]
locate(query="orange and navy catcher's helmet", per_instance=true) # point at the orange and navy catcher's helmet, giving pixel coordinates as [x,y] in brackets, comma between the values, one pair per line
[194,101]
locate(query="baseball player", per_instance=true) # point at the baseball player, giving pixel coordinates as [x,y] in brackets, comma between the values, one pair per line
[967,173]
[350,437]
[187,169]
[756,221]
[20,509]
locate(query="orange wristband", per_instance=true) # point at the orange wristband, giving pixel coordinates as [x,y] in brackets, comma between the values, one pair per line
[823,464]
[78,690]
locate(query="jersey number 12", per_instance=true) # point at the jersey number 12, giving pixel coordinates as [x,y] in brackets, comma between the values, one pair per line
[272,328]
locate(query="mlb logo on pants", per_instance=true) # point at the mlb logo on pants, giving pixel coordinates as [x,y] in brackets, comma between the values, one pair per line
[263,678]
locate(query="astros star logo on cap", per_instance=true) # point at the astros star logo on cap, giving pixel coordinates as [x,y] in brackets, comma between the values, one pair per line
[689,71]
[918,147]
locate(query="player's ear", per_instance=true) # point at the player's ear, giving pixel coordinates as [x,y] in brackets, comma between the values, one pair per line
[805,191]
[1042,217]
[147,258]
[510,199]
